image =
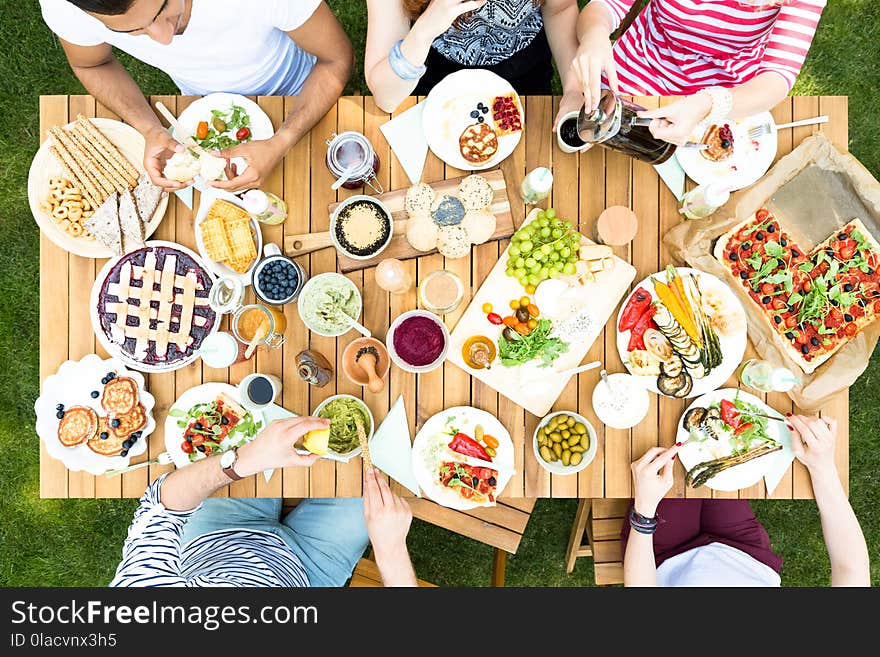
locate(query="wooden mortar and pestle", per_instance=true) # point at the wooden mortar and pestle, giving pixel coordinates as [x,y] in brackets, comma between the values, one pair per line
[365,362]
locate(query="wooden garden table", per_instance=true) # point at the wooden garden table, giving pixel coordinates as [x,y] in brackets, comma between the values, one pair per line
[584,185]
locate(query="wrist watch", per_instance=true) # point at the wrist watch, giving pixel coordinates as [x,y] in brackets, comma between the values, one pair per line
[227,464]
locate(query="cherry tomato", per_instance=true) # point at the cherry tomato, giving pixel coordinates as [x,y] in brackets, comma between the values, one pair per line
[791,321]
[762,214]
[524,302]
[530,289]
[532,323]
[533,310]
[198,439]
[807,285]
[510,321]
[494,318]
[846,252]
[186,447]
[767,288]
[491,441]
[851,329]
[487,308]
[202,129]
[243,133]
[514,304]
[522,329]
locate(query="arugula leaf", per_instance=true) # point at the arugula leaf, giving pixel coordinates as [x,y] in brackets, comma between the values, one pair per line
[806,267]
[783,277]
[535,345]
[755,261]
[773,248]
[796,297]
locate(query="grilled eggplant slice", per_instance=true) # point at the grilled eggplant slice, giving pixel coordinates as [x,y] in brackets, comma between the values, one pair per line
[688,386]
[671,385]
[671,366]
[693,419]
[713,414]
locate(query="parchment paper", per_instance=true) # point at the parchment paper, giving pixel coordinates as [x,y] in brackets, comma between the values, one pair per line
[813,191]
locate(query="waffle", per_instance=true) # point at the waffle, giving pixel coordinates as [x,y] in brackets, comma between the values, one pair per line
[214,239]
[224,210]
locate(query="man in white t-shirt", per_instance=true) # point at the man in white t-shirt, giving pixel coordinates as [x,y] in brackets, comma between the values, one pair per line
[267,47]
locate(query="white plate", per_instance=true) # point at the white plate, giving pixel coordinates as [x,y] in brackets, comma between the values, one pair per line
[115,349]
[204,393]
[447,113]
[200,110]
[732,346]
[465,419]
[739,476]
[71,385]
[44,166]
[221,269]
[750,160]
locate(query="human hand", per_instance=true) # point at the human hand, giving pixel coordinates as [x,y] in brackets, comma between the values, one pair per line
[812,441]
[652,479]
[441,14]
[570,101]
[594,57]
[273,446]
[388,516]
[262,156]
[676,122]
[160,145]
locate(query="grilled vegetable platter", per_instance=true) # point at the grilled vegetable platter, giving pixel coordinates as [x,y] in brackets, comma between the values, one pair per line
[681,332]
[730,440]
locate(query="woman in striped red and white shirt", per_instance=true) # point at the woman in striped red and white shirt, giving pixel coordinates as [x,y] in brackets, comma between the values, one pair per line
[727,58]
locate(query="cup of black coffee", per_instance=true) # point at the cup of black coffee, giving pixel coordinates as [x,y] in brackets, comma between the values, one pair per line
[567,134]
[258,391]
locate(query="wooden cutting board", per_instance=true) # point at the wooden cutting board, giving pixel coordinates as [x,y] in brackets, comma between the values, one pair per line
[400,248]
[537,389]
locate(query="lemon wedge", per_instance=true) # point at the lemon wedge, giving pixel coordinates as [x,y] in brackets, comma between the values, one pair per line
[317,441]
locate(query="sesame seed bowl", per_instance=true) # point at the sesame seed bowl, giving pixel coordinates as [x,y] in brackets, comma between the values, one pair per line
[361,227]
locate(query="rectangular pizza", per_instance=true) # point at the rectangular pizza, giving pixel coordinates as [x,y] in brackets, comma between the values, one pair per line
[816,302]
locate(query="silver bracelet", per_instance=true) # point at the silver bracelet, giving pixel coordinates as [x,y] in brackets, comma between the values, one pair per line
[402,67]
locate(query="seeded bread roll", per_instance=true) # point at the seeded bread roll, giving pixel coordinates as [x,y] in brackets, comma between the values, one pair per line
[453,242]
[418,199]
[421,232]
[475,193]
[479,224]
[447,211]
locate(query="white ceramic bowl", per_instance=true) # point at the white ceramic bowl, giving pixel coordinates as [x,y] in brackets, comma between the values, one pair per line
[556,467]
[357,450]
[402,364]
[310,286]
[350,201]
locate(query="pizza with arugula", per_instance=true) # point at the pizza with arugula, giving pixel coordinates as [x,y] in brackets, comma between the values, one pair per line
[816,302]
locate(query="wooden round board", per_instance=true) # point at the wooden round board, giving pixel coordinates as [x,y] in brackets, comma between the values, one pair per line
[45,166]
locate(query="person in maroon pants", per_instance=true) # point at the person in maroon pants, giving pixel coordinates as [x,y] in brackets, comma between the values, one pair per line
[706,542]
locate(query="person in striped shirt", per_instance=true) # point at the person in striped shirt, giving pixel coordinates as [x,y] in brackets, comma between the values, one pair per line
[727,58]
[179,537]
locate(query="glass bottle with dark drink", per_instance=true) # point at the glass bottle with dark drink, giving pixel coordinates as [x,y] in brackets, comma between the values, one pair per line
[614,125]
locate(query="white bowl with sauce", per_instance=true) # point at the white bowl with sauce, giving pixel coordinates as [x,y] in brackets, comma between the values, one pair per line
[623,403]
[347,203]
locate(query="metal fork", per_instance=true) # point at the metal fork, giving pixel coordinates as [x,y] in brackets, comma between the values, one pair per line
[163,459]
[766,128]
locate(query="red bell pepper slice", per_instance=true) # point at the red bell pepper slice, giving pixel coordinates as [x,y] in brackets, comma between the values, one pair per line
[464,444]
[635,307]
[646,321]
[729,413]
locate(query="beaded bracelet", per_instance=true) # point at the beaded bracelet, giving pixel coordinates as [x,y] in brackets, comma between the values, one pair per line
[642,524]
[402,67]
[722,103]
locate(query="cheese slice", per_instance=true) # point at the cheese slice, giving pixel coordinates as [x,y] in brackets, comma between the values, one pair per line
[391,448]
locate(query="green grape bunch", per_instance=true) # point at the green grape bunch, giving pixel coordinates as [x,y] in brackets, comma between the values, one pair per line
[544,248]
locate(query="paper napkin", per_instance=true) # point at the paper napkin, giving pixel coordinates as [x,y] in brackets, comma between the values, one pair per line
[391,448]
[672,175]
[274,412]
[779,467]
[406,137]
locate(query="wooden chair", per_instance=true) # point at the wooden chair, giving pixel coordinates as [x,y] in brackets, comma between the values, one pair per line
[501,527]
[599,522]
[366,574]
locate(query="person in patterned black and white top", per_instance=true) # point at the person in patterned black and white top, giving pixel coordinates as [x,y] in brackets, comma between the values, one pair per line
[728,58]
[413,44]
[179,537]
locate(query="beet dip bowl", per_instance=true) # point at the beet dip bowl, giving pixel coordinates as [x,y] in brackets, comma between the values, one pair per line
[417,341]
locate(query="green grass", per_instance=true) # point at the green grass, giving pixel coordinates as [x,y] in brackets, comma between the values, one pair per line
[77,542]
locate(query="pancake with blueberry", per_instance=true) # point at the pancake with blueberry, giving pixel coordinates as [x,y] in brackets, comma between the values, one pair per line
[719,139]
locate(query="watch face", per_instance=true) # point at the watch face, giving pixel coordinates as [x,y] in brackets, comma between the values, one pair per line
[227,459]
